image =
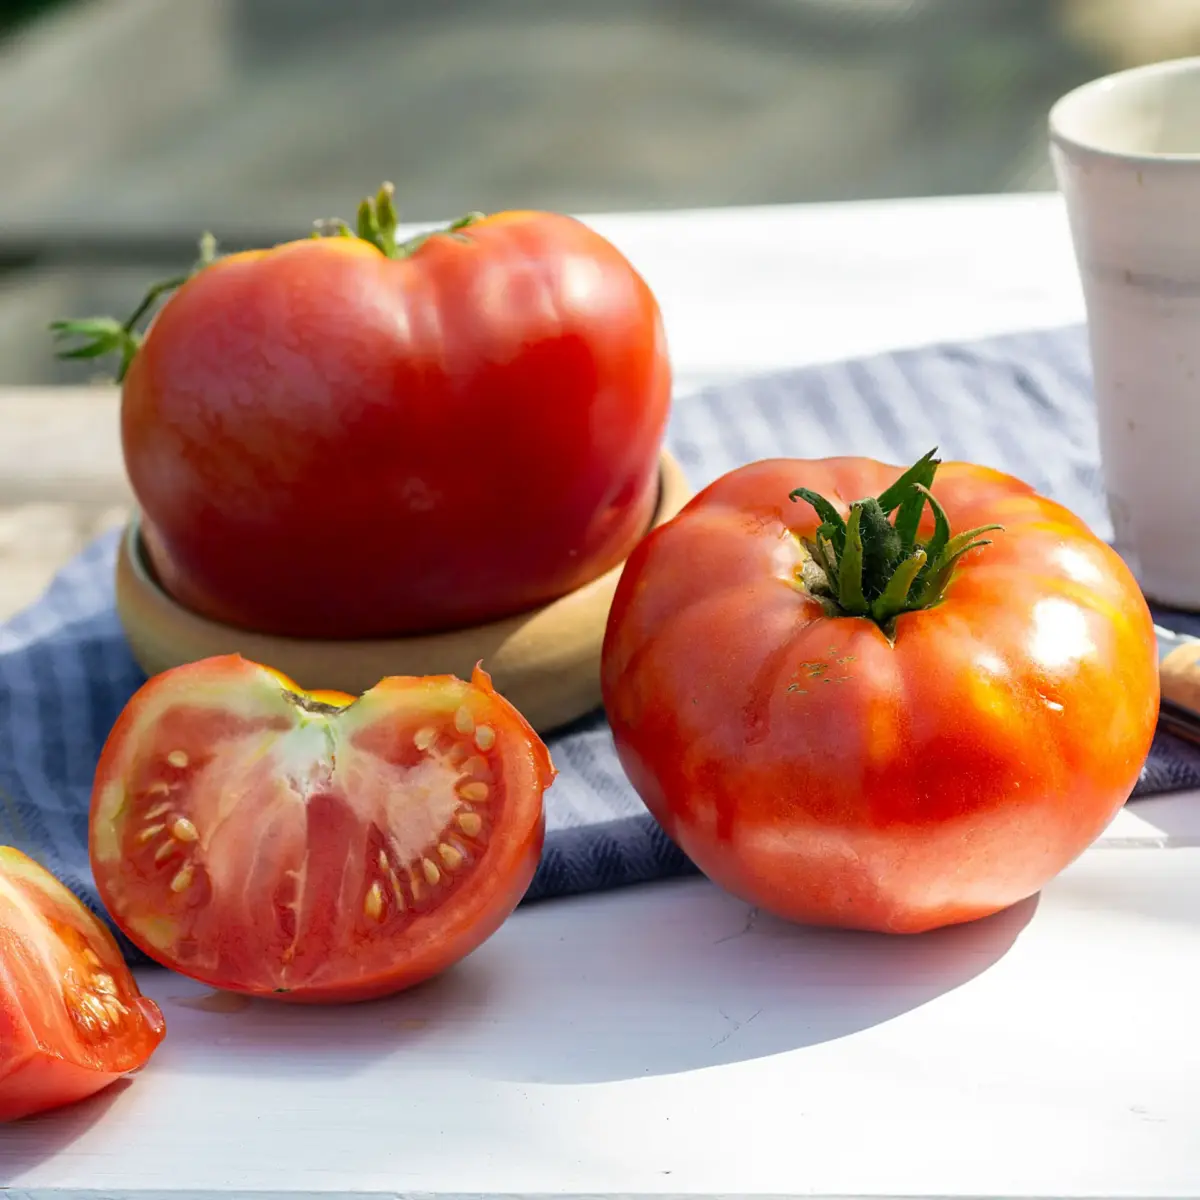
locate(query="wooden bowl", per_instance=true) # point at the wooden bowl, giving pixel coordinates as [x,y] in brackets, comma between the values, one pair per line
[546,662]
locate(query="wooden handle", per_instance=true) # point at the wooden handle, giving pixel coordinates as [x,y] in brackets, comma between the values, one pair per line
[1180,676]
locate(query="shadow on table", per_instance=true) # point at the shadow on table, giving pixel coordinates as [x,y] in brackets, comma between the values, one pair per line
[219,1033]
[656,980]
[26,1143]
[700,980]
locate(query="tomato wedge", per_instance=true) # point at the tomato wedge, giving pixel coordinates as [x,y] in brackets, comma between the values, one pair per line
[72,1019]
[313,846]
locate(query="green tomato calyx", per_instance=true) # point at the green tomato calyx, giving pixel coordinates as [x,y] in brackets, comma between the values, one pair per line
[873,563]
[378,222]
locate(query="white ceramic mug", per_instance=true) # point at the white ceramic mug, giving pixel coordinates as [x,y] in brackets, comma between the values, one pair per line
[1126,152]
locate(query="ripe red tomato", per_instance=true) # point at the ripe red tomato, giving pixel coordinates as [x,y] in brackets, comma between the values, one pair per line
[327,440]
[311,846]
[851,719]
[72,1019]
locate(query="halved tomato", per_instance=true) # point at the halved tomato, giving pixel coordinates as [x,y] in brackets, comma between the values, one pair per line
[72,1019]
[312,846]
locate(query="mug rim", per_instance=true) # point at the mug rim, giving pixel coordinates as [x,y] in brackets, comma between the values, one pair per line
[1169,66]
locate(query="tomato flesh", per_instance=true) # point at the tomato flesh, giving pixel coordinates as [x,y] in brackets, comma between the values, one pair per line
[72,1020]
[312,846]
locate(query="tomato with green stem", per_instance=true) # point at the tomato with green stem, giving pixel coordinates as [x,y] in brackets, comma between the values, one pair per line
[351,435]
[312,846]
[849,714]
[72,1019]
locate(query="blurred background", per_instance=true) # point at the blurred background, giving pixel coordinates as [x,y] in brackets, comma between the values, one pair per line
[129,126]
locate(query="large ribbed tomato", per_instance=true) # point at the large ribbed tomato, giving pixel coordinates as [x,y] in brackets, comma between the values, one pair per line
[857,719]
[342,437]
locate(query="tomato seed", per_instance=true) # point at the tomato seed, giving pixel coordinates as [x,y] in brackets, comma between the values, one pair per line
[432,874]
[470,823]
[475,766]
[373,904]
[166,850]
[485,737]
[159,788]
[424,738]
[463,721]
[115,1009]
[452,858]
[150,832]
[183,879]
[184,830]
[473,790]
[178,759]
[104,984]
[92,1006]
[158,810]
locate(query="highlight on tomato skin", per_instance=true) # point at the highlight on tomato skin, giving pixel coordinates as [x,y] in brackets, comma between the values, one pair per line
[314,847]
[72,1019]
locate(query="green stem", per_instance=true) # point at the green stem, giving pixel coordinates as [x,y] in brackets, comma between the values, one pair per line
[378,222]
[825,554]
[921,472]
[833,527]
[910,499]
[941,524]
[106,335]
[876,567]
[850,572]
[893,600]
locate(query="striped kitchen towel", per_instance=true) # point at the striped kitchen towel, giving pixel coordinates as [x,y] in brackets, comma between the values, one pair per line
[1019,403]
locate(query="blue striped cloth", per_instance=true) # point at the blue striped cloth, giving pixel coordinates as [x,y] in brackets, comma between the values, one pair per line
[1020,403]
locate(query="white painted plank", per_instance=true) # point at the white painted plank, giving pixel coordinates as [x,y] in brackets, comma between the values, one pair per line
[660,1040]
[1170,822]
[755,289]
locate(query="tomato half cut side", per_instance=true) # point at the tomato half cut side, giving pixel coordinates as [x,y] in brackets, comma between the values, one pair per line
[313,846]
[72,1020]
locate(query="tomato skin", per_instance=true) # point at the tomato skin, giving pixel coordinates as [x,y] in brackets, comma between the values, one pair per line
[326,442]
[808,765]
[66,1034]
[249,835]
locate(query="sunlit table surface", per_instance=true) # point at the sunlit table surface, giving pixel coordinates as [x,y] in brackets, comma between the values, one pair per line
[668,1040]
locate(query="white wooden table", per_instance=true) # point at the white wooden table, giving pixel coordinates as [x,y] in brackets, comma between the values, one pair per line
[663,1040]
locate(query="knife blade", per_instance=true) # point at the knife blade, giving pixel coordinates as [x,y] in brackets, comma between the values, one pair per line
[1179,680]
